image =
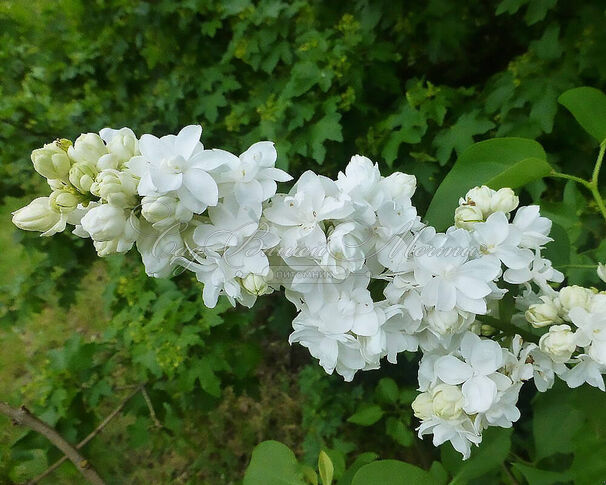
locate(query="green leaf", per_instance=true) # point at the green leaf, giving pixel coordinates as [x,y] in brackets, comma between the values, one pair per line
[398,431]
[392,472]
[488,456]
[367,416]
[499,162]
[460,135]
[588,106]
[547,411]
[326,468]
[360,461]
[536,476]
[273,463]
[387,390]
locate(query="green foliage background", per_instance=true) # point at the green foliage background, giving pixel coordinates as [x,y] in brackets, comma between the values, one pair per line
[409,84]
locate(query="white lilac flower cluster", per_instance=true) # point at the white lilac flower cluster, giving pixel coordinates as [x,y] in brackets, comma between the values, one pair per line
[332,245]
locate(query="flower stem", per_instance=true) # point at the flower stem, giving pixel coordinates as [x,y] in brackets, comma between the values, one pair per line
[591,185]
[508,328]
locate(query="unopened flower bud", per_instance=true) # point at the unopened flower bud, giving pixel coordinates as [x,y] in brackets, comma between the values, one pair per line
[504,200]
[575,296]
[52,161]
[256,284]
[422,406]
[164,210]
[479,197]
[65,200]
[82,176]
[87,149]
[467,215]
[105,222]
[445,322]
[559,343]
[117,188]
[400,185]
[448,401]
[39,216]
[544,314]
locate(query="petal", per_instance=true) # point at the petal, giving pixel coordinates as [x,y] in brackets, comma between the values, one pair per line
[153,149]
[486,357]
[262,154]
[211,159]
[202,186]
[452,370]
[187,139]
[480,393]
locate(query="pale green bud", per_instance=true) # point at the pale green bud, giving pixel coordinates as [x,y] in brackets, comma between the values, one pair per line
[52,161]
[422,406]
[164,210]
[38,215]
[256,284]
[65,200]
[504,200]
[544,314]
[117,188]
[479,197]
[467,215]
[82,176]
[448,401]
[559,343]
[87,149]
[575,296]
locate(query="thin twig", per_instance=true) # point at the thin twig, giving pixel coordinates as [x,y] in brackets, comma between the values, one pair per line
[22,416]
[90,436]
[152,413]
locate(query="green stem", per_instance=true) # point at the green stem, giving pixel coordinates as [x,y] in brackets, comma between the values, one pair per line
[508,328]
[579,180]
[578,266]
[591,185]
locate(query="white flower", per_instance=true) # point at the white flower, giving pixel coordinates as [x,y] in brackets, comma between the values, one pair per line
[106,223]
[481,359]
[504,200]
[497,237]
[534,228]
[540,271]
[466,216]
[313,200]
[585,370]
[544,369]
[230,224]
[251,178]
[52,161]
[38,215]
[591,332]
[545,313]
[159,249]
[334,351]
[344,251]
[360,182]
[400,186]
[449,279]
[178,164]
[559,343]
